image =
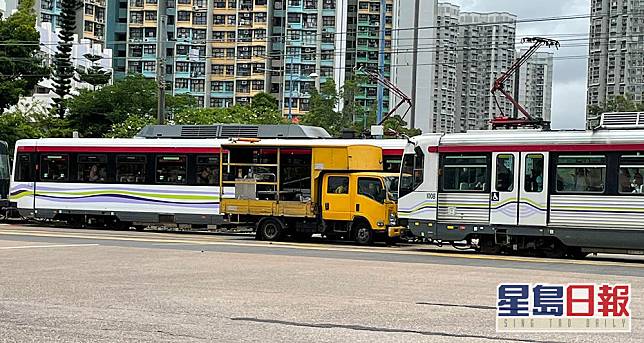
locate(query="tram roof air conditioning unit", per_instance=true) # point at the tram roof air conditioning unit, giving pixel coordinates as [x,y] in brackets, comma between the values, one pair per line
[622,120]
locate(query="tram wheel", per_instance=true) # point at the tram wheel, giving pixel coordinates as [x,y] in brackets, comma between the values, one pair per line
[488,246]
[555,250]
[576,253]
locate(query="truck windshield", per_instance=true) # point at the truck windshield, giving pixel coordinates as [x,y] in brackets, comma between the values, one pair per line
[391,184]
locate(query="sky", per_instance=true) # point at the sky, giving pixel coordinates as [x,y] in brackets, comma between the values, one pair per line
[569,75]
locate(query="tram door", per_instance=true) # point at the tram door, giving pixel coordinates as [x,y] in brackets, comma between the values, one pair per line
[505,187]
[533,195]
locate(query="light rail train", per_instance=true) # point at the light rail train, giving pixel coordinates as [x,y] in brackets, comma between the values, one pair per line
[551,193]
[133,182]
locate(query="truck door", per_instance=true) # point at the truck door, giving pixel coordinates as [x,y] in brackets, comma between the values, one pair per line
[370,201]
[504,200]
[533,195]
[336,202]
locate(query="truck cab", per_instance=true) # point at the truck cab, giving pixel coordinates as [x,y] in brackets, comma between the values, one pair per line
[287,189]
[364,202]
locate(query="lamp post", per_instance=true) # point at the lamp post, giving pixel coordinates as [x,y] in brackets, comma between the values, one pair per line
[290,87]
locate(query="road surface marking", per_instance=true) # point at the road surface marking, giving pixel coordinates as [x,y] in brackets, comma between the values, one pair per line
[318,247]
[48,246]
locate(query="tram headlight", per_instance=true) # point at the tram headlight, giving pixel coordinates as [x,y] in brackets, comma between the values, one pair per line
[392,218]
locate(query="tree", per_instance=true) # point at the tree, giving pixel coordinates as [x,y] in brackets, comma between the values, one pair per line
[322,111]
[93,112]
[130,126]
[619,103]
[63,67]
[237,114]
[17,125]
[94,75]
[20,66]
[264,101]
[397,124]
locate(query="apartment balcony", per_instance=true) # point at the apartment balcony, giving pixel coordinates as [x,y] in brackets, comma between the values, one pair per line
[222,94]
[181,74]
[149,74]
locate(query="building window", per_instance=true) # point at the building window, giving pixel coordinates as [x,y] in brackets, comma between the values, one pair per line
[183,16]
[136,17]
[149,49]
[197,86]
[149,66]
[199,34]
[183,67]
[199,18]
[150,15]
[181,83]
[258,85]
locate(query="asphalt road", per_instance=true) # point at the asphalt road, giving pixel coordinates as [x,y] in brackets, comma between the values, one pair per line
[95,285]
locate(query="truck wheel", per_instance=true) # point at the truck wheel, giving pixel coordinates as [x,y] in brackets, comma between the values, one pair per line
[270,229]
[363,234]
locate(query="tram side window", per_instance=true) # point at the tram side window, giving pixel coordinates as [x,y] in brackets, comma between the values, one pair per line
[534,173]
[391,164]
[631,167]
[465,173]
[171,169]
[92,168]
[207,170]
[130,169]
[581,173]
[505,173]
[54,168]
[24,168]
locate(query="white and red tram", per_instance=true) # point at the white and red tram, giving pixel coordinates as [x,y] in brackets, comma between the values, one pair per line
[126,182]
[550,193]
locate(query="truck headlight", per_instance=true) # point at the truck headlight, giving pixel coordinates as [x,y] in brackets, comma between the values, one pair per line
[392,218]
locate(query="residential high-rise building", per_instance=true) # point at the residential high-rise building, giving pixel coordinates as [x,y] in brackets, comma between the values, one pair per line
[223,52]
[533,85]
[303,49]
[416,44]
[443,99]
[90,17]
[364,53]
[216,51]
[485,51]
[616,62]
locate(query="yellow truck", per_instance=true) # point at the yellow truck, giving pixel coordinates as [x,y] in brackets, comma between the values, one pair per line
[293,189]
